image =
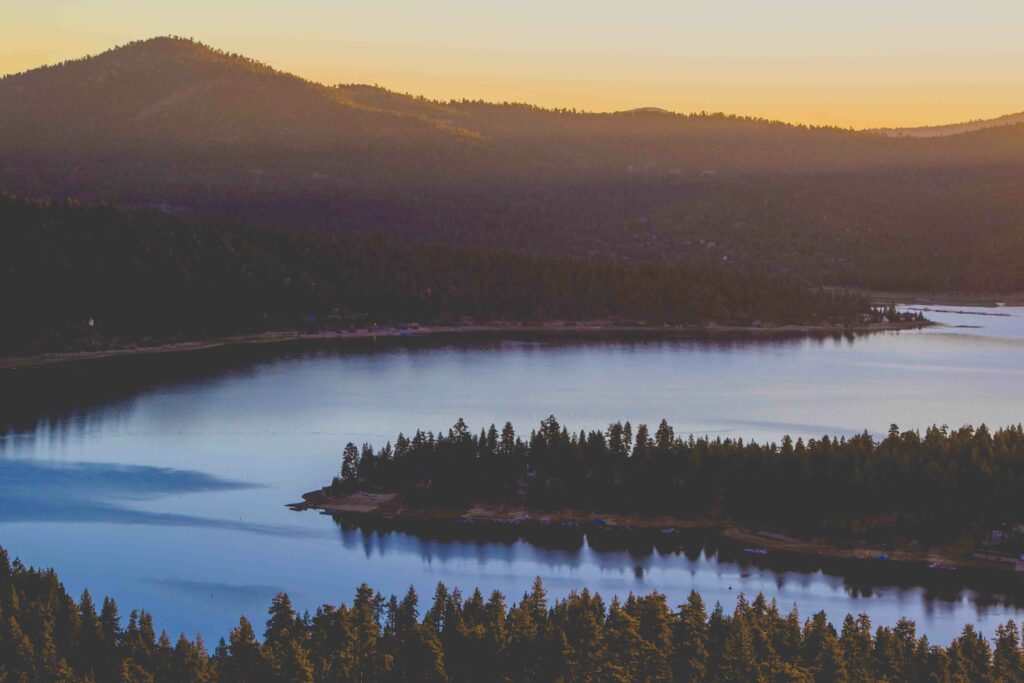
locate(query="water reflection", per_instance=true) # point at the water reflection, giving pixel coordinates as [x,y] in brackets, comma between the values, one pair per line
[65,399]
[97,493]
[720,569]
[691,550]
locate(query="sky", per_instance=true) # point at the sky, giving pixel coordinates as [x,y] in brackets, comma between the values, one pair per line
[851,63]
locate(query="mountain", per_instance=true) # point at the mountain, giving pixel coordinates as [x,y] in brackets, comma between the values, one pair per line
[175,124]
[173,91]
[953,128]
[174,96]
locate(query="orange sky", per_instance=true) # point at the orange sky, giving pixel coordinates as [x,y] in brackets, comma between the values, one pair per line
[862,64]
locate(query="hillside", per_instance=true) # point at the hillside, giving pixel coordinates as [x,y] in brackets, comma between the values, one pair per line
[175,124]
[170,91]
[80,277]
[954,128]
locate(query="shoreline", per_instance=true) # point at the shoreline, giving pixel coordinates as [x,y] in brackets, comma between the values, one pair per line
[566,328]
[489,521]
[946,299]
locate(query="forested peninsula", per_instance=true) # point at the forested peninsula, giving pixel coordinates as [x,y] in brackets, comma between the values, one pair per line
[949,496]
[46,635]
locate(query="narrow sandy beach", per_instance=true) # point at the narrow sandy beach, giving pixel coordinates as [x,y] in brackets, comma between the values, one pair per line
[560,328]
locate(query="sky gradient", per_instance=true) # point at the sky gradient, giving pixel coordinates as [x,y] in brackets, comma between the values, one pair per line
[860,63]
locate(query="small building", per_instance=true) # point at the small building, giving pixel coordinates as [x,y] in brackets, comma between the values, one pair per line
[994,538]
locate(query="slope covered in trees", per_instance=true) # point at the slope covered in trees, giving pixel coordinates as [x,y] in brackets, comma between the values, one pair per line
[45,635]
[137,274]
[163,91]
[930,488]
[173,122]
[954,128]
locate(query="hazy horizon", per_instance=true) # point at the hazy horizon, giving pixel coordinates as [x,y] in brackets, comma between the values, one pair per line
[860,65]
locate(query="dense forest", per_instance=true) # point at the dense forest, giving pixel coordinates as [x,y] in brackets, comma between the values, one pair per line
[75,275]
[928,488]
[45,635]
[173,123]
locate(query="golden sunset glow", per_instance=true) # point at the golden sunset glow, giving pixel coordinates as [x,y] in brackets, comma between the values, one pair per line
[861,64]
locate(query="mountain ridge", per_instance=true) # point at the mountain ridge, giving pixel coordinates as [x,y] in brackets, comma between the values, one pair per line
[144,85]
[947,129]
[181,47]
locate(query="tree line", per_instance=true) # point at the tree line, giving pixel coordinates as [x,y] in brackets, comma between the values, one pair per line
[46,635]
[929,488]
[74,275]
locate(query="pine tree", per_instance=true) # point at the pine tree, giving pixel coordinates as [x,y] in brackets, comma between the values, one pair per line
[856,643]
[655,623]
[579,619]
[523,648]
[290,663]
[17,654]
[89,644]
[110,630]
[187,662]
[970,655]
[245,661]
[738,661]
[369,662]
[690,640]
[718,630]
[1007,660]
[822,654]
[537,602]
[349,463]
[282,624]
[624,648]
[494,643]
[133,672]
[417,650]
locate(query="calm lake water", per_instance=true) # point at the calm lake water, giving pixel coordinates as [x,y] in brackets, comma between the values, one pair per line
[170,493]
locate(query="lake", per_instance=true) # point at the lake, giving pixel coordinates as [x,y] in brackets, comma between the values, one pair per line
[165,484]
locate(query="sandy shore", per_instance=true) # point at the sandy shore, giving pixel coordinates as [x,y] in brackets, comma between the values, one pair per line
[391,506]
[562,328]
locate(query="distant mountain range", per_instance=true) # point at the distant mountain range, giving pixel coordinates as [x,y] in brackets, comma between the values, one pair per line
[175,124]
[174,95]
[954,128]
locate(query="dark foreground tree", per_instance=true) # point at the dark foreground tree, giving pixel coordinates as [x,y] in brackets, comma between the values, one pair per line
[46,636]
